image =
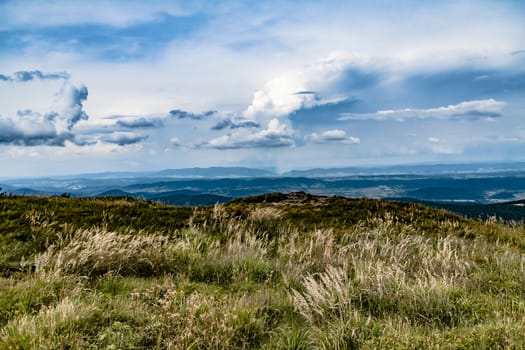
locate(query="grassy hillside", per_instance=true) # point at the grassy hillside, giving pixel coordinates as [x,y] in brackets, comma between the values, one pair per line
[271,272]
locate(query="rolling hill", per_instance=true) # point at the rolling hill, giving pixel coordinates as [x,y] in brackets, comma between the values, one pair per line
[273,271]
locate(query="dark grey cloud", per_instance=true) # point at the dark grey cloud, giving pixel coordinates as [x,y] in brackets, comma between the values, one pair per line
[306,93]
[75,96]
[24,76]
[140,123]
[24,113]
[177,113]
[477,115]
[223,124]
[35,130]
[124,138]
[228,123]
[18,139]
[245,124]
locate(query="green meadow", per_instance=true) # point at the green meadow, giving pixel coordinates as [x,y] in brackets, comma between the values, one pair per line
[270,272]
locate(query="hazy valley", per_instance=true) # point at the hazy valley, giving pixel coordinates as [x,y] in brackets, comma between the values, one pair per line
[476,190]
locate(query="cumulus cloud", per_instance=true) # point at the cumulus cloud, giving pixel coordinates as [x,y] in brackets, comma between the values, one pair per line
[54,128]
[25,76]
[29,128]
[335,135]
[228,123]
[177,113]
[69,106]
[275,135]
[327,81]
[469,110]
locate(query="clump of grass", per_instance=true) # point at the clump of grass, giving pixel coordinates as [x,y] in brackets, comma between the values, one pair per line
[241,256]
[44,330]
[30,295]
[327,306]
[263,214]
[96,252]
[326,294]
[196,320]
[291,338]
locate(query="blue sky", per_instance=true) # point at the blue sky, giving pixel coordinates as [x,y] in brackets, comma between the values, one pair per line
[146,85]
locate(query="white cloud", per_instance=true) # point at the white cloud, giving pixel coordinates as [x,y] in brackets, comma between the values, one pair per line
[275,135]
[472,110]
[440,146]
[32,128]
[175,141]
[115,13]
[314,85]
[335,135]
[221,63]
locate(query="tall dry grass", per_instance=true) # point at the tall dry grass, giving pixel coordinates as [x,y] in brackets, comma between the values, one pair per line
[97,251]
[265,282]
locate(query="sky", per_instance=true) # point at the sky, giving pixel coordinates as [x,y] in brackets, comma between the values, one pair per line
[91,86]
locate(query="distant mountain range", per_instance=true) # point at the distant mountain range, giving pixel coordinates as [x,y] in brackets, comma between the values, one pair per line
[442,183]
[240,172]
[215,172]
[211,172]
[418,169]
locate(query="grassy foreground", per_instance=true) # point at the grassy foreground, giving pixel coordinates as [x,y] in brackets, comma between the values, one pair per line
[272,272]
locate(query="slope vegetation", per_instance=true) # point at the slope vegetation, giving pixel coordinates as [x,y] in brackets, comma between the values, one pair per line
[278,271]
